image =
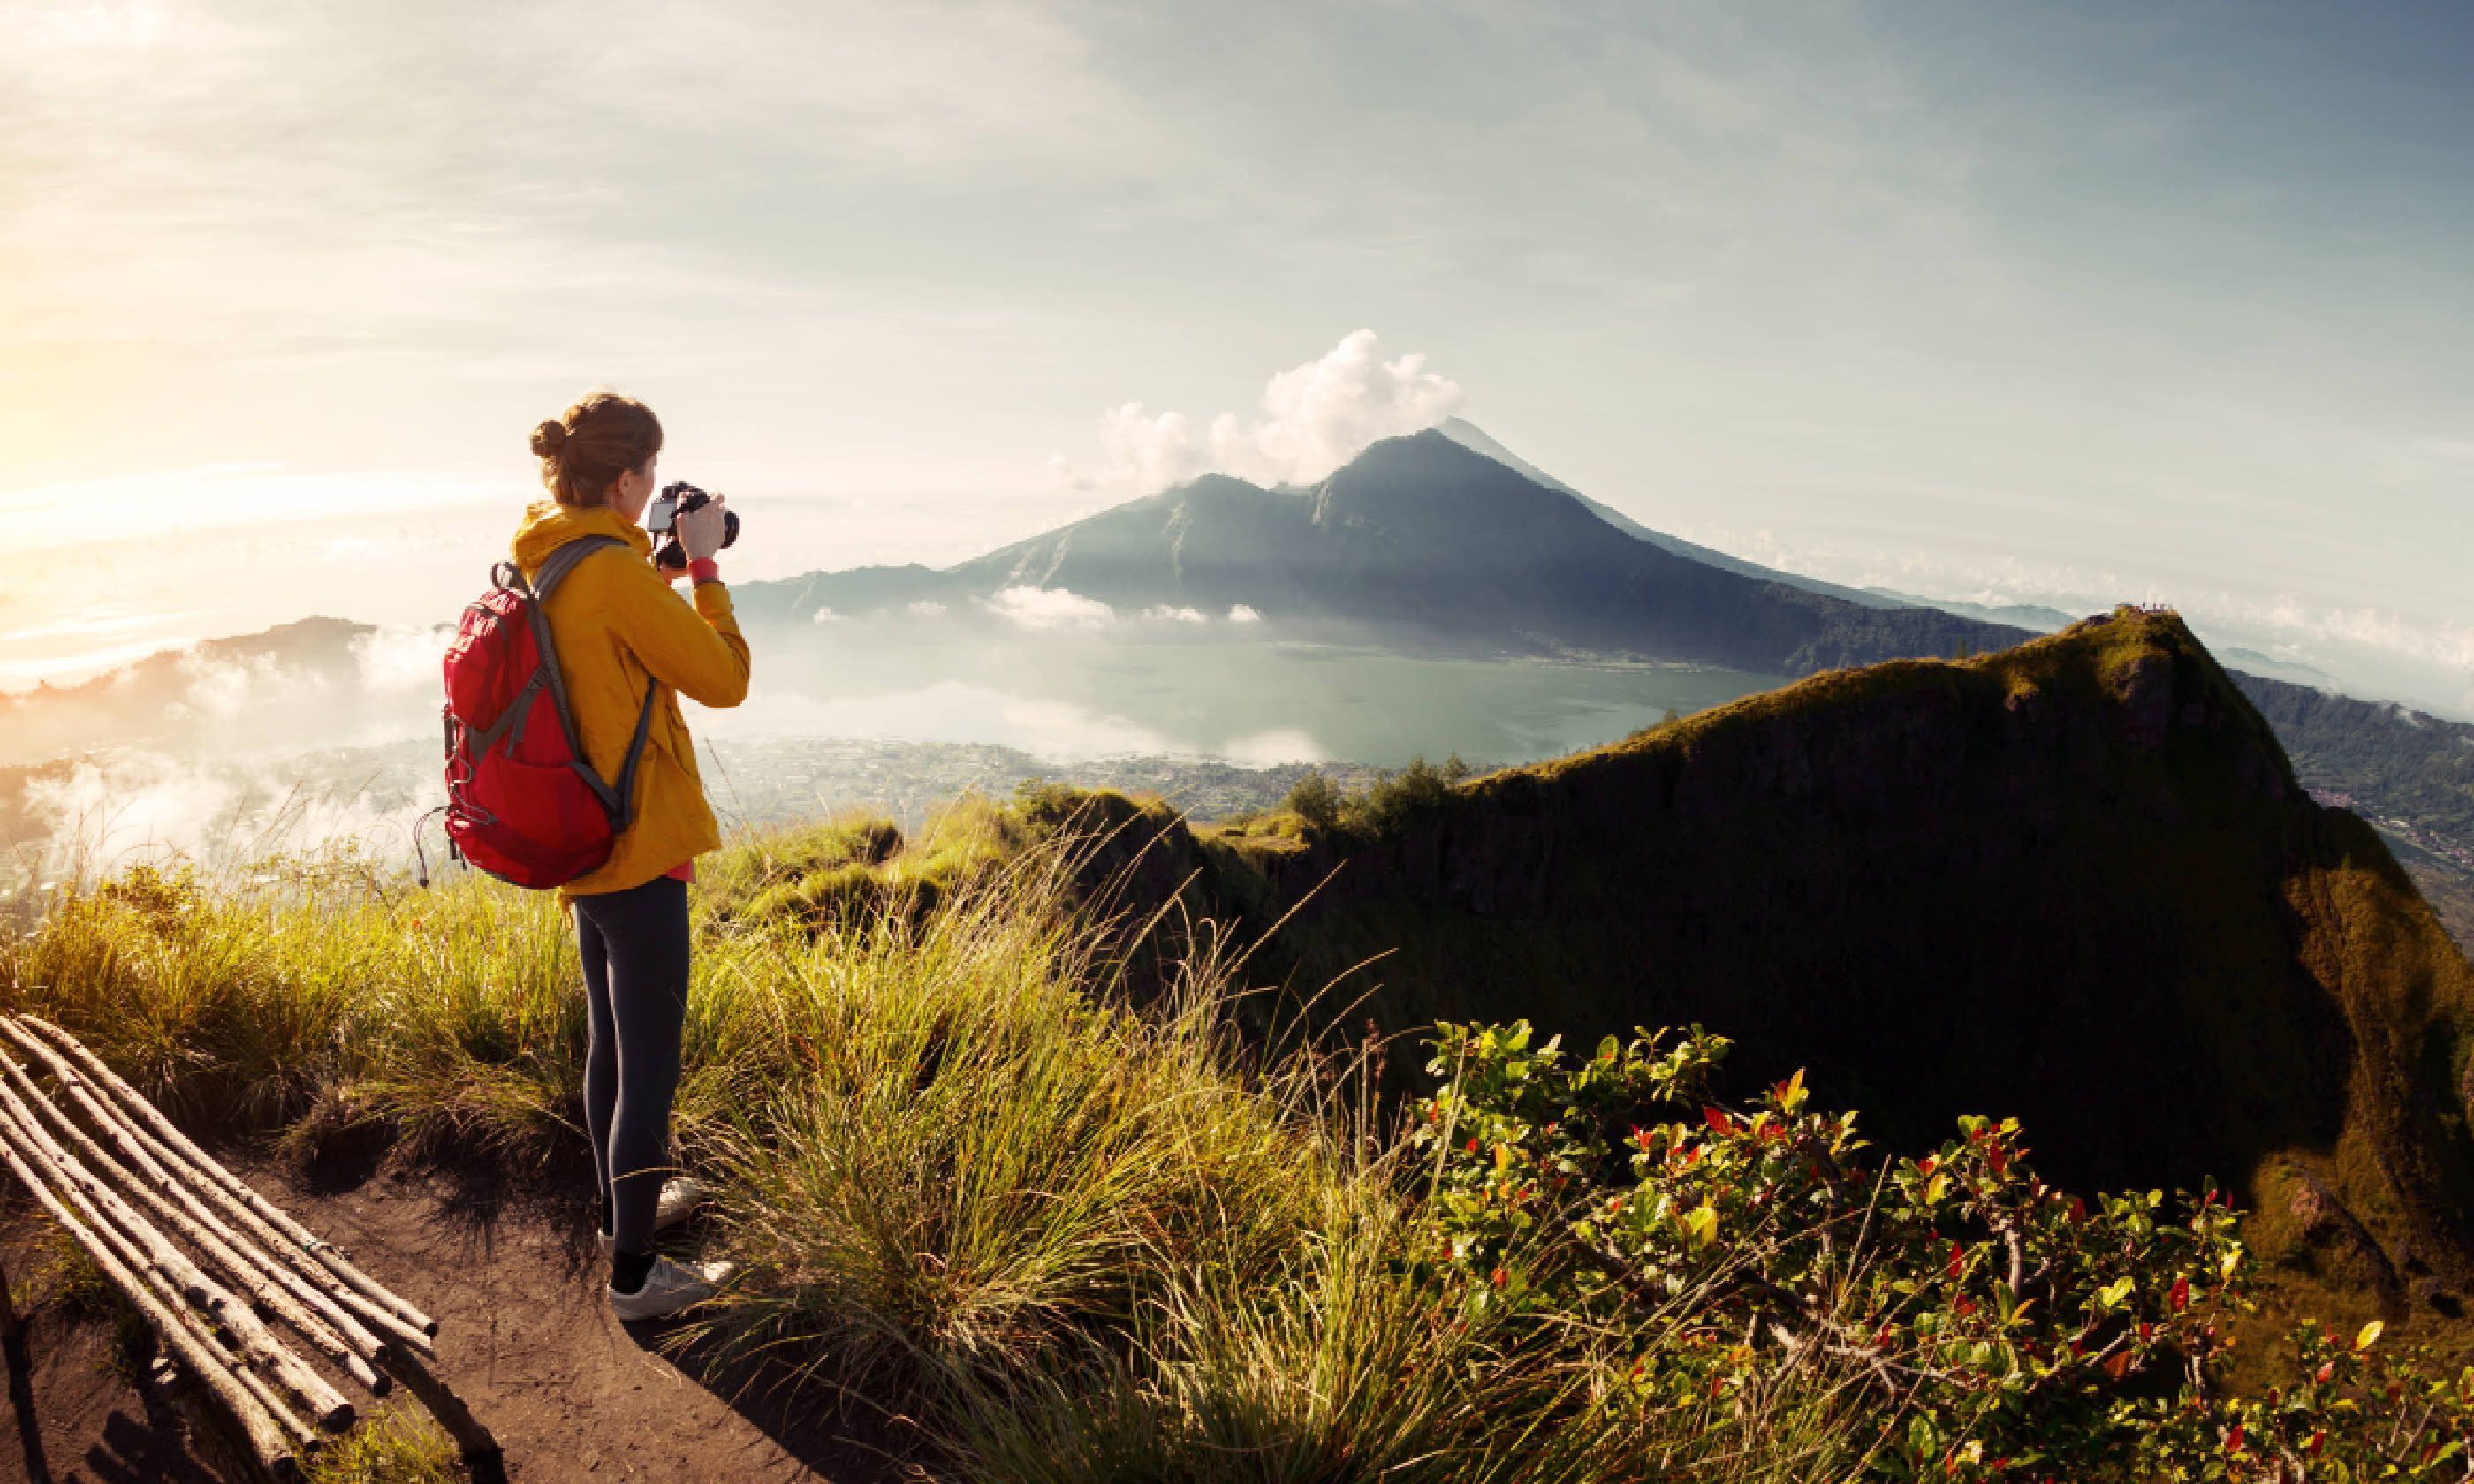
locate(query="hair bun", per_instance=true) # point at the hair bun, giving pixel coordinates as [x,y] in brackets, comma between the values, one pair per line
[549,439]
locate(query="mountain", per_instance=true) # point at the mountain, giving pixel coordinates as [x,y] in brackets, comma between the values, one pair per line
[2077,882]
[2406,771]
[1419,543]
[209,690]
[2034,616]
[1469,435]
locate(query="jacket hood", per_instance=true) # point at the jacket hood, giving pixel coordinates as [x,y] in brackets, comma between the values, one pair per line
[549,525]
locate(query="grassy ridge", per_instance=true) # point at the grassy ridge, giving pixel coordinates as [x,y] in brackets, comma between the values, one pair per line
[2072,881]
[972,1184]
[998,1157]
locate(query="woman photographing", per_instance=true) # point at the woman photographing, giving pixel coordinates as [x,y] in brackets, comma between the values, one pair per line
[621,629]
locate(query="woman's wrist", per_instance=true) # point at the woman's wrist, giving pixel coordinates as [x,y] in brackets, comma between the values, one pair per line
[704,569]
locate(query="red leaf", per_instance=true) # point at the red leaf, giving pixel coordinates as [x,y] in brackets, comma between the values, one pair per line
[1716,1118]
[2233,1440]
[2180,1295]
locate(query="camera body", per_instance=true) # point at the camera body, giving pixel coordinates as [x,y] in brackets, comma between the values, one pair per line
[661,519]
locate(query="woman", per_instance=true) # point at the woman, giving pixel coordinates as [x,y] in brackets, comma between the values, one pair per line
[617,623]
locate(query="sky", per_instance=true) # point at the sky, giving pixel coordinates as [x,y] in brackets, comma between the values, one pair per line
[2068,304]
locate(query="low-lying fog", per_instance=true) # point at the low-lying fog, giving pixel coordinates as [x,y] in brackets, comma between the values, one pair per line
[325,730]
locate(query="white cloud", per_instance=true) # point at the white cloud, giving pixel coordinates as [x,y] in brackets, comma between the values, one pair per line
[104,813]
[1319,416]
[221,687]
[824,616]
[394,660]
[1147,450]
[1312,419]
[1047,608]
[928,608]
[1243,614]
[1184,616]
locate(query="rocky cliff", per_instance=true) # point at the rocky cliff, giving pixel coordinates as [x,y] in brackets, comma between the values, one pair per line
[2073,881]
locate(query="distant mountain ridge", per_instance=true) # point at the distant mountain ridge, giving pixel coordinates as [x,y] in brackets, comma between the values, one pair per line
[1421,542]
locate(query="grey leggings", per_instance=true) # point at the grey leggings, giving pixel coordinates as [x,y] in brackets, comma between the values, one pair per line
[635,949]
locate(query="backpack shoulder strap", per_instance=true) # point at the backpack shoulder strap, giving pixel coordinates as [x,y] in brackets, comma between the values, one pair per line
[617,800]
[562,560]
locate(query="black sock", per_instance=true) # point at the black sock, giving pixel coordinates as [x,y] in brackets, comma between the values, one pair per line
[627,1271]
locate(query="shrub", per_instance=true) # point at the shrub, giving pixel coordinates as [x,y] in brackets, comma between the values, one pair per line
[1992,1327]
[1315,798]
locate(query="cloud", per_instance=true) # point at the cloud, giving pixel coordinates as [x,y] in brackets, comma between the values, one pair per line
[927,607]
[1048,608]
[1312,418]
[1243,614]
[1319,416]
[401,660]
[824,616]
[221,687]
[1184,616]
[2372,651]
[105,812]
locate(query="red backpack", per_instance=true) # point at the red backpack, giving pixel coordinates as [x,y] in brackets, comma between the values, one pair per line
[522,803]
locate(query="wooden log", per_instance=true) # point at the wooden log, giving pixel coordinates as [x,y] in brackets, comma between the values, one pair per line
[271,1451]
[256,1276]
[177,1176]
[152,1120]
[304,1438]
[147,1249]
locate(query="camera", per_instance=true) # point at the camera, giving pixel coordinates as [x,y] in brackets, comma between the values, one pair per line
[661,518]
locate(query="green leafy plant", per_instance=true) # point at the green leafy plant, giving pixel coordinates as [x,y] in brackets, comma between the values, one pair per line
[1994,1326]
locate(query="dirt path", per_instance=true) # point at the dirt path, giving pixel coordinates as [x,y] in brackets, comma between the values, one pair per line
[523,1337]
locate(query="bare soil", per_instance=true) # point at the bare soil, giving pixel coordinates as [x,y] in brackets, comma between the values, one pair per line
[525,1337]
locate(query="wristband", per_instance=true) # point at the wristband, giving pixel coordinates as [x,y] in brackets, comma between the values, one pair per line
[705,569]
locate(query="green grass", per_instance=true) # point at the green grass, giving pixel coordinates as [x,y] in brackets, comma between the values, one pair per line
[970,1181]
[396,1446]
[988,1167]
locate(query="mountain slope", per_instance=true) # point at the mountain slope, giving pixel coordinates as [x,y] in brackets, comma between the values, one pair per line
[2075,882]
[1422,543]
[1469,435]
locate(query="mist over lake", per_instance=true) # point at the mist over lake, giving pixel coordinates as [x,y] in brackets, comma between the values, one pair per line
[1068,697]
[316,734]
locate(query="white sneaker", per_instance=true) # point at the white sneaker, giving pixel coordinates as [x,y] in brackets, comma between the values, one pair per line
[670,1287]
[681,1195]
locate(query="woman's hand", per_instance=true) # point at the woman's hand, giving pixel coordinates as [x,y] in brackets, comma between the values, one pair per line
[700,530]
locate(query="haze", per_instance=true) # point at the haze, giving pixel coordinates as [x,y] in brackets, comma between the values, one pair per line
[2068,304]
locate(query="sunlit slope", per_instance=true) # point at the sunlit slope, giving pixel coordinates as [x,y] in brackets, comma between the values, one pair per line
[2072,881]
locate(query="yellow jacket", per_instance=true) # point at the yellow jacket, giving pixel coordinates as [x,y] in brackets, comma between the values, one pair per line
[617,623]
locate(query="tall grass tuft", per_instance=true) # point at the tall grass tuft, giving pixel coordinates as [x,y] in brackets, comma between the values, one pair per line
[1079,1231]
